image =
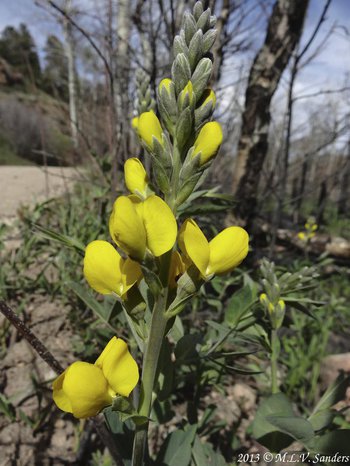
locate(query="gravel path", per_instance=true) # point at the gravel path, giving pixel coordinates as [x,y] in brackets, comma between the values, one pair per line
[28,185]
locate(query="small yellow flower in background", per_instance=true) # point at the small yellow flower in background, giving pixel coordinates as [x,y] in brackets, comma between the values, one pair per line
[137,225]
[263,298]
[221,255]
[149,127]
[84,389]
[136,178]
[106,271]
[208,142]
[310,230]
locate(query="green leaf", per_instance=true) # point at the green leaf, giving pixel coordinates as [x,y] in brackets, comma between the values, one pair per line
[177,331]
[152,280]
[322,419]
[204,454]
[185,350]
[239,304]
[125,410]
[122,434]
[266,433]
[297,427]
[102,311]
[177,448]
[332,443]
[166,372]
[60,238]
[334,393]
[300,307]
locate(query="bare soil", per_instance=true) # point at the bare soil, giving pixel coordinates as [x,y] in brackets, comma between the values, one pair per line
[27,185]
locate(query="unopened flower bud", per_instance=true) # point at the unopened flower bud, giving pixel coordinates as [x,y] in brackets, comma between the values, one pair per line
[148,128]
[208,142]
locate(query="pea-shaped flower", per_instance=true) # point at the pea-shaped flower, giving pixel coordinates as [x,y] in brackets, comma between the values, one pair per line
[136,178]
[84,389]
[106,271]
[221,255]
[149,127]
[137,226]
[208,142]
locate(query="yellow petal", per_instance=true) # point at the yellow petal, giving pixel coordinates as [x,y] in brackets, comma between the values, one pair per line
[82,390]
[227,250]
[160,225]
[131,273]
[194,245]
[135,123]
[136,178]
[59,397]
[208,141]
[102,267]
[119,367]
[126,228]
[149,127]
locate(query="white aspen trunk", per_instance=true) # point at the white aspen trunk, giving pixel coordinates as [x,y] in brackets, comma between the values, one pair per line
[69,49]
[122,57]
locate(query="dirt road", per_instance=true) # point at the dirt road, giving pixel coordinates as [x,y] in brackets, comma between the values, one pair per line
[28,185]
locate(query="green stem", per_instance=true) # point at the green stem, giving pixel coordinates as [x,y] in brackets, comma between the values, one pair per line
[154,344]
[274,360]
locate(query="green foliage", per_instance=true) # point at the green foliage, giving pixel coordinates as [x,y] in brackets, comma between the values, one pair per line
[8,155]
[55,74]
[18,48]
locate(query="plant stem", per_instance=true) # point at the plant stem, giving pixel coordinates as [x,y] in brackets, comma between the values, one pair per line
[154,344]
[274,359]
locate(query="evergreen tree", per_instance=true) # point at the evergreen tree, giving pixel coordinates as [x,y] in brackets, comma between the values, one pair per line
[18,48]
[55,75]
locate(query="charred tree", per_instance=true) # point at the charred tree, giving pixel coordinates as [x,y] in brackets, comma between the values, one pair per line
[283,33]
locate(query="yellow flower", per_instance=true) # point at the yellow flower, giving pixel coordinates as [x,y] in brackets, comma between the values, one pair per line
[136,178]
[208,142]
[221,255]
[106,271]
[137,225]
[302,236]
[149,127]
[84,389]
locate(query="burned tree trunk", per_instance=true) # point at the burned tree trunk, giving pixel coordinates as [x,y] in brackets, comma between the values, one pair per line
[284,29]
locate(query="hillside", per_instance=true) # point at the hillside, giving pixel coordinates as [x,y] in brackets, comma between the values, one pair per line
[34,126]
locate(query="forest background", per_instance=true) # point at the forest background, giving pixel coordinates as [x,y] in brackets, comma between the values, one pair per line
[73,74]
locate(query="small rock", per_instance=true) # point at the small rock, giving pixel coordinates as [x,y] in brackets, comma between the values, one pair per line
[244,396]
[19,353]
